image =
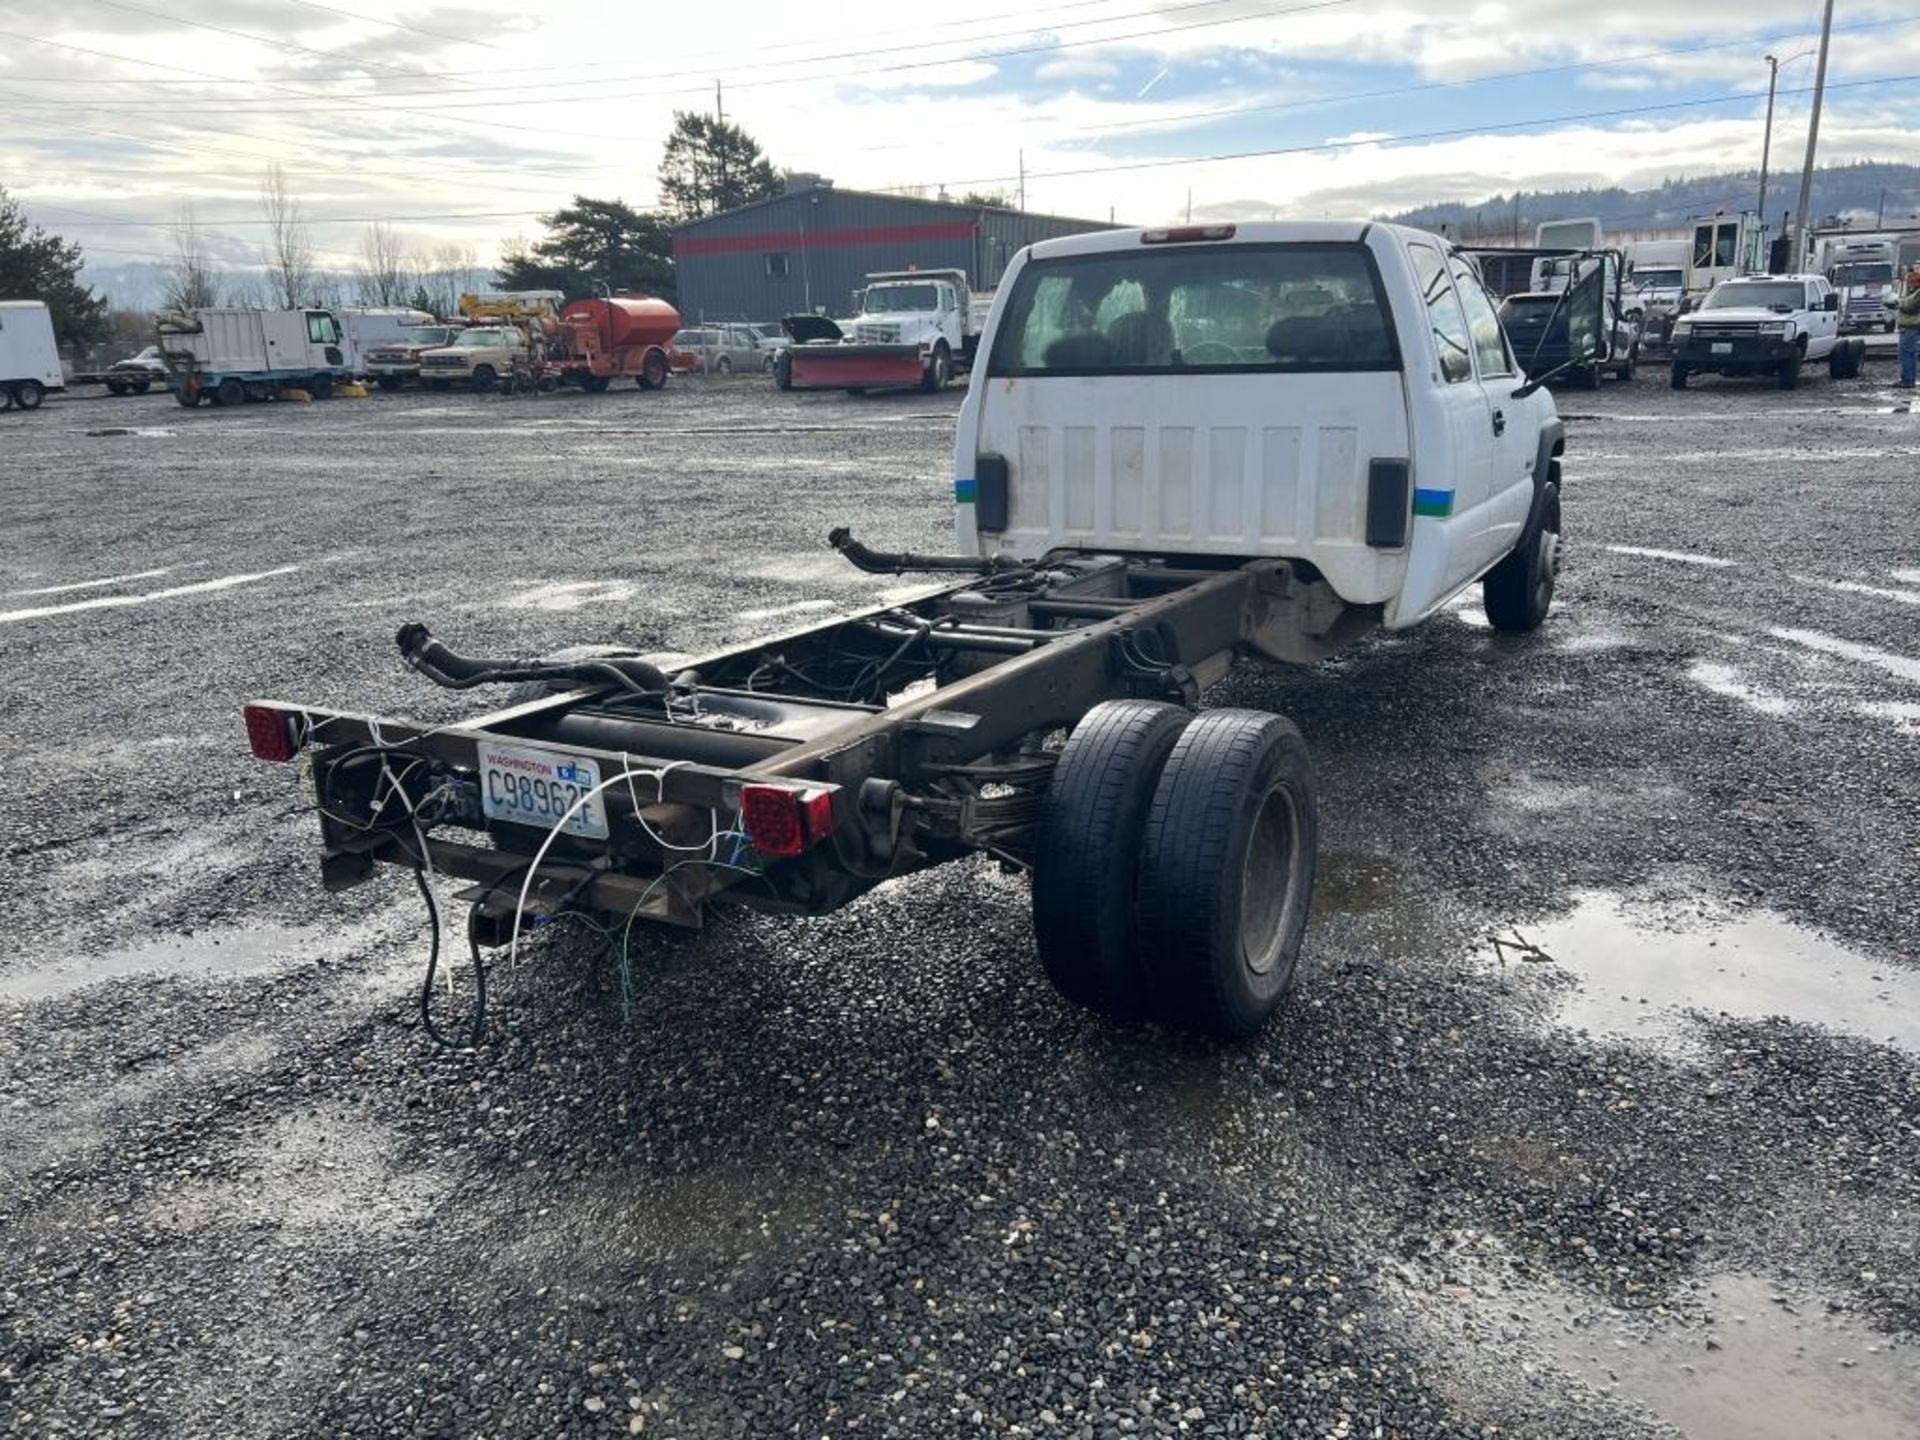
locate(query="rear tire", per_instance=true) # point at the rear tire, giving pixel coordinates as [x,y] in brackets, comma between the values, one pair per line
[140,387]
[321,387]
[1226,870]
[117,387]
[1518,592]
[783,371]
[654,371]
[1677,376]
[6,398]
[1085,866]
[723,366]
[230,392]
[28,394]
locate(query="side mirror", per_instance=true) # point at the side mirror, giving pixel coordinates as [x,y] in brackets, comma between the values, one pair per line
[1833,301]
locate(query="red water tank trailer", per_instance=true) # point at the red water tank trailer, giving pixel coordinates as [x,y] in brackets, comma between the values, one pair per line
[626,322]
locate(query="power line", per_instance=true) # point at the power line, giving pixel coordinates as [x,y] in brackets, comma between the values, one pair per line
[288,45]
[574,96]
[1038,22]
[397,25]
[1448,134]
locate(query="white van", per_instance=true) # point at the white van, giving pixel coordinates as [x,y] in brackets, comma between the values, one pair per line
[29,359]
[367,328]
[1338,394]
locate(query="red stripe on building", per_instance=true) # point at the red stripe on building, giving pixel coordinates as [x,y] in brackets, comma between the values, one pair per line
[821,239]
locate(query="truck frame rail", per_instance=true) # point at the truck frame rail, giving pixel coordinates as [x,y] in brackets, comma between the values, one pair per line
[788,775]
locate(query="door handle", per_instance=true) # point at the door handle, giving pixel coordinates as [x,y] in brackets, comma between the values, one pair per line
[1499,422]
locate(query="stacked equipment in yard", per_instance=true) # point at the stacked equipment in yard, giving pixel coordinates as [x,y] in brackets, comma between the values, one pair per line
[230,356]
[29,359]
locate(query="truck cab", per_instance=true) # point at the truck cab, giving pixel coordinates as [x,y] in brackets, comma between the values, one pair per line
[927,309]
[1341,395]
[478,357]
[1765,325]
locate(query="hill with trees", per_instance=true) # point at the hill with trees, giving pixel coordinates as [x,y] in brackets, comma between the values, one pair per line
[1854,192]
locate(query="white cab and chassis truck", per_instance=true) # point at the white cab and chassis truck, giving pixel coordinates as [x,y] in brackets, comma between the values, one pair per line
[1179,447]
[29,356]
[1770,325]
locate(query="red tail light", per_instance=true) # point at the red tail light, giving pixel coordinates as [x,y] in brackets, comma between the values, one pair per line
[269,733]
[783,821]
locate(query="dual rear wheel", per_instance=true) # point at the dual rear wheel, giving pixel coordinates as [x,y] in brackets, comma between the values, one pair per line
[1176,863]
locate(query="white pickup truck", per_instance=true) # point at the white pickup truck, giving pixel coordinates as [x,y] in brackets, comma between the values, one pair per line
[1765,325]
[1341,395]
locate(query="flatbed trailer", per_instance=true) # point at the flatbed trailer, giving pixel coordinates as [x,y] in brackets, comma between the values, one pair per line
[794,774]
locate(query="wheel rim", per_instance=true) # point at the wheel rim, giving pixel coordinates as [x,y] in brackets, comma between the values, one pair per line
[1549,566]
[1267,909]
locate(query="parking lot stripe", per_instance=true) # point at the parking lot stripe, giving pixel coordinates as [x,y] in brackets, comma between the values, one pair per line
[111,602]
[94,584]
[1896,665]
[1684,557]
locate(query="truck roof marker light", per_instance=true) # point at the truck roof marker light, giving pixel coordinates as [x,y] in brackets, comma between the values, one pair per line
[1186,234]
[269,733]
[785,820]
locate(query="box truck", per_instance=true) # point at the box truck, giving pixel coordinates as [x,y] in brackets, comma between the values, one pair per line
[29,360]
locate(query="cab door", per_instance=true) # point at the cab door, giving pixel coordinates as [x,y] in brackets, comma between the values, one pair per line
[1453,462]
[1516,442]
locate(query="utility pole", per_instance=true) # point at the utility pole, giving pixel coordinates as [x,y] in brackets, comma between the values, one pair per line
[719,145]
[1766,143]
[1023,181]
[1813,138]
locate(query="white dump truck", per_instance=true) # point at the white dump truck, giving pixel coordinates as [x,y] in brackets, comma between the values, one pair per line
[1178,447]
[915,328]
[230,356]
[29,358]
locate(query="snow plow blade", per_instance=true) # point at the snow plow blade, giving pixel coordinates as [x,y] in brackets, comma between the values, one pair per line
[856,367]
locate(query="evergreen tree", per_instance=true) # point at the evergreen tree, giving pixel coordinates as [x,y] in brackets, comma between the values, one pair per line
[592,243]
[37,266]
[710,165]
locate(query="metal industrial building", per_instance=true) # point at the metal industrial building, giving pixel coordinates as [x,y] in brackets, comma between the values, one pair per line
[808,250]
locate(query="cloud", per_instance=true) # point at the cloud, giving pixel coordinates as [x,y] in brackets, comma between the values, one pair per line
[1076,69]
[553,100]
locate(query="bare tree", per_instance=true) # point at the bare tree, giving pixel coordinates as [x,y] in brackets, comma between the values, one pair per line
[290,265]
[455,273]
[192,280]
[382,267]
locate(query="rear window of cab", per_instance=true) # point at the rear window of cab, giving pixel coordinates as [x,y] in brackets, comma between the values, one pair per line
[1185,309]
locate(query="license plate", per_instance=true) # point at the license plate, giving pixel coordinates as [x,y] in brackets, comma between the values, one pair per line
[536,787]
[1723,347]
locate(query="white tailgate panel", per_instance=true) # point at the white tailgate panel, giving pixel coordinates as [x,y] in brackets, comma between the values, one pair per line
[1188,472]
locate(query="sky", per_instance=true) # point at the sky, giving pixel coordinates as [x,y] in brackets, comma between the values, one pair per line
[460,123]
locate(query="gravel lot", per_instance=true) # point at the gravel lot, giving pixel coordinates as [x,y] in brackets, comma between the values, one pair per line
[1596,1111]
